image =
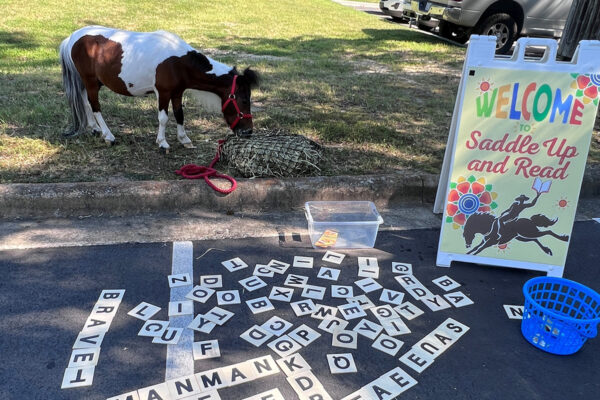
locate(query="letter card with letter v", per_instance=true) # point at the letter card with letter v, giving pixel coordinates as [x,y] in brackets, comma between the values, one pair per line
[516,155]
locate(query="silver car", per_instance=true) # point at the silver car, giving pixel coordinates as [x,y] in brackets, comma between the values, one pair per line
[505,20]
[393,8]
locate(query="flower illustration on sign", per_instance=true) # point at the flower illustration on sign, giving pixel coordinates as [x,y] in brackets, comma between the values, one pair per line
[587,87]
[485,85]
[468,196]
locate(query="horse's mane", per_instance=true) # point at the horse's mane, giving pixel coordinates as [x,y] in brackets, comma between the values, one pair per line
[249,77]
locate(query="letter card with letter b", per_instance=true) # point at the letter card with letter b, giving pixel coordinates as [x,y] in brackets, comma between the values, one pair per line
[516,155]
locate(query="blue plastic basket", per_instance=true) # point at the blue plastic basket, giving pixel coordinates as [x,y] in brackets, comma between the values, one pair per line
[559,314]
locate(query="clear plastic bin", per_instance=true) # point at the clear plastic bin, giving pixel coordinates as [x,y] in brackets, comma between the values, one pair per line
[356,223]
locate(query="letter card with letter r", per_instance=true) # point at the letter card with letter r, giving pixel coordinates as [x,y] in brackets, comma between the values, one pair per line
[516,155]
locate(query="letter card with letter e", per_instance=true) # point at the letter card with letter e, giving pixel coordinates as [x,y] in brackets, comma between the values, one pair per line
[516,155]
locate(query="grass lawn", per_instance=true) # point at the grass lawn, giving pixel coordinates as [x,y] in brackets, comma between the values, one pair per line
[377,95]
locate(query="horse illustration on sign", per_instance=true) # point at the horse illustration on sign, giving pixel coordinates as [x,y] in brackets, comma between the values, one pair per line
[500,230]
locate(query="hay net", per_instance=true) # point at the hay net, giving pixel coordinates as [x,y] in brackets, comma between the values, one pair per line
[270,153]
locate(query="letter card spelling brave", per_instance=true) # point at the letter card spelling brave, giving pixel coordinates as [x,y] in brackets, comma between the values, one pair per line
[516,155]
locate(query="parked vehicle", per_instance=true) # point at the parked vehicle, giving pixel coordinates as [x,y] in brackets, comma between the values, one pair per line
[505,19]
[393,8]
[424,22]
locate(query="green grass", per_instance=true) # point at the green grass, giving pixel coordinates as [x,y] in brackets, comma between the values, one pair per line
[377,95]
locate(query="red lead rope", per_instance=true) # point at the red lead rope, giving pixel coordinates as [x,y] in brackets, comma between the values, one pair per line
[193,171]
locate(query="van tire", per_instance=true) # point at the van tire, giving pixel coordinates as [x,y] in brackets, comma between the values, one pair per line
[504,27]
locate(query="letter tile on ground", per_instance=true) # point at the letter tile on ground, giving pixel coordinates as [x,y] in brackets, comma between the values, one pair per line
[391,296]
[408,310]
[235,264]
[446,283]
[182,387]
[294,280]
[367,328]
[160,391]
[402,268]
[279,293]
[84,357]
[256,336]
[177,308]
[252,283]
[351,311]
[108,296]
[342,292]
[264,366]
[341,363]
[360,394]
[86,340]
[395,327]
[284,346]
[368,285]
[304,335]
[96,323]
[513,311]
[346,339]
[303,262]
[368,272]
[436,303]
[178,280]
[144,311]
[333,324]
[126,396]
[453,328]
[331,274]
[201,324]
[458,299]
[313,292]
[273,394]
[384,312]
[212,379]
[200,294]
[279,267]
[78,377]
[304,382]
[322,311]
[238,373]
[303,307]
[263,270]
[293,364]
[260,305]
[218,315]
[388,344]
[206,349]
[276,326]
[333,257]
[169,336]
[228,297]
[417,359]
[211,281]
[401,378]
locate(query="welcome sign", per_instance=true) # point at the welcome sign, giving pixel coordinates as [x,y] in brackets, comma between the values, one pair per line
[516,156]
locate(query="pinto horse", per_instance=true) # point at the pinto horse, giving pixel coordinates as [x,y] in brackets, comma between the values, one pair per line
[138,64]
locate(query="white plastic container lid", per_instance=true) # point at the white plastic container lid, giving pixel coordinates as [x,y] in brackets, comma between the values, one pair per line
[342,212]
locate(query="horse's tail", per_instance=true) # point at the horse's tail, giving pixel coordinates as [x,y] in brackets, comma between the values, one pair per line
[542,220]
[74,89]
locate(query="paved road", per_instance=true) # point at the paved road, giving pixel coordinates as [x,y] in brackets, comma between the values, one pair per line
[46,295]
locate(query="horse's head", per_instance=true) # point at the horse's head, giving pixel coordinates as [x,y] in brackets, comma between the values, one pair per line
[236,106]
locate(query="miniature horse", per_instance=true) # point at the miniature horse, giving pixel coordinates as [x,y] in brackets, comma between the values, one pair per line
[137,64]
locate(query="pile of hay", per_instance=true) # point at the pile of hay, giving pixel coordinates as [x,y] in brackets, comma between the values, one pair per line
[272,154]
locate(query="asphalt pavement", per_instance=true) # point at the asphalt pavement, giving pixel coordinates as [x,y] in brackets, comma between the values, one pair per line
[46,296]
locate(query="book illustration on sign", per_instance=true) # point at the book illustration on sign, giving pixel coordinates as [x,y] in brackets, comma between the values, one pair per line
[501,230]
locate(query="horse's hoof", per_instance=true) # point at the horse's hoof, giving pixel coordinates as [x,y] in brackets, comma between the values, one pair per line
[96,132]
[163,150]
[70,134]
[189,146]
[109,142]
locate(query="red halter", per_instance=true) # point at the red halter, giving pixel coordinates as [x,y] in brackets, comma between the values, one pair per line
[232,99]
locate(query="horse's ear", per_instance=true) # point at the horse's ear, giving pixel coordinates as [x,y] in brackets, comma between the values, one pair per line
[251,77]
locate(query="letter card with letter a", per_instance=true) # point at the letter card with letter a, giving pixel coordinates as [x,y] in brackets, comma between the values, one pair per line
[516,155]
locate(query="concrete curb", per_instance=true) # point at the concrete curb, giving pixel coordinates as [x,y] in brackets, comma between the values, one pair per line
[130,198]
[138,197]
